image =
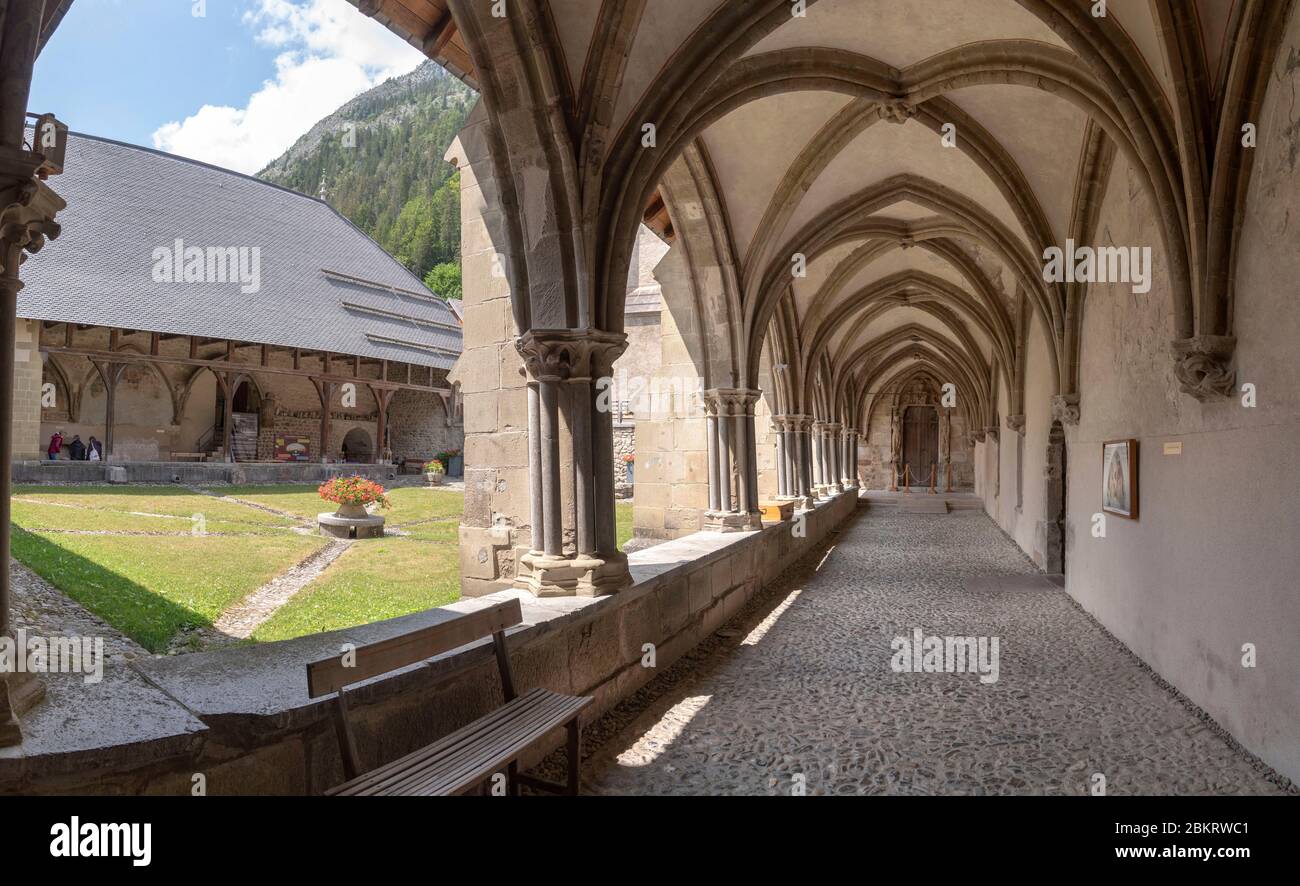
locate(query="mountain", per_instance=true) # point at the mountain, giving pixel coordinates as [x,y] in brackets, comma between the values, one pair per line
[378,161]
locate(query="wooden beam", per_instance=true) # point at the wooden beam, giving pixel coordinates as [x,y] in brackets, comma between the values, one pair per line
[223,365]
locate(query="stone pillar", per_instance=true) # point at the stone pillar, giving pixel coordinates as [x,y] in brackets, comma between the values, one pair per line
[835,447]
[27,210]
[736,511]
[786,463]
[563,367]
[711,433]
[807,498]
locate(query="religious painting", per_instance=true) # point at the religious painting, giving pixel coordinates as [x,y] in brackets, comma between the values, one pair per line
[1119,489]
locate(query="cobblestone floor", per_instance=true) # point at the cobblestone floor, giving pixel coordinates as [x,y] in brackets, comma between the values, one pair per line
[801,685]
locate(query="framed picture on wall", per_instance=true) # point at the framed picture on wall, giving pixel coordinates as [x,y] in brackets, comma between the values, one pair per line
[1119,478]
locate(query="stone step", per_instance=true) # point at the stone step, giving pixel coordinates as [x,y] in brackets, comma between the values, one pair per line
[923,504]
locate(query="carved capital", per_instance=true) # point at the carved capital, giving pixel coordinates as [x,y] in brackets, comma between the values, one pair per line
[1016,423]
[569,354]
[991,433]
[732,401]
[27,210]
[1202,366]
[1065,409]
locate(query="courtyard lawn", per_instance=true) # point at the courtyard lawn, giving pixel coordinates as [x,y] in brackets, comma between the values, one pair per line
[373,580]
[128,555]
[622,522]
[141,500]
[150,588]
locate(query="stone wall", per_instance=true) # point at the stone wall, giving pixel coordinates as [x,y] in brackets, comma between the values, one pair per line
[28,442]
[496,527]
[1209,565]
[243,719]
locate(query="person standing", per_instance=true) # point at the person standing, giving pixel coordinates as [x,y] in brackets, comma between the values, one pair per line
[77,449]
[56,444]
[94,450]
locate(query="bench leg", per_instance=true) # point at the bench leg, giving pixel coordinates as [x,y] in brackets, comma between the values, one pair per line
[575,756]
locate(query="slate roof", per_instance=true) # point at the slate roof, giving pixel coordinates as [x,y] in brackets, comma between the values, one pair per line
[324,285]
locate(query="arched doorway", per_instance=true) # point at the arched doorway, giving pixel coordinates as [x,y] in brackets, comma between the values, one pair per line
[920,442]
[357,448]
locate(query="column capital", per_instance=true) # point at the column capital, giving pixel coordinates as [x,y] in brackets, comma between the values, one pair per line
[1016,423]
[569,354]
[731,401]
[27,207]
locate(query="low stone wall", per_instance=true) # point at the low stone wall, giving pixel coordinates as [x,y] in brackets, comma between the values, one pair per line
[194,473]
[241,718]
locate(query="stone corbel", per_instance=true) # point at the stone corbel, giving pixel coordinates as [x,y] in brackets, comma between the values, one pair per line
[1202,366]
[1016,423]
[1065,409]
[991,433]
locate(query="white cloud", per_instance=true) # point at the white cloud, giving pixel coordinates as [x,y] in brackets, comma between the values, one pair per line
[330,53]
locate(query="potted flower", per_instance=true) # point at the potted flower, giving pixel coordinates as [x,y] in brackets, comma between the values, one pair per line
[630,461]
[352,494]
[433,472]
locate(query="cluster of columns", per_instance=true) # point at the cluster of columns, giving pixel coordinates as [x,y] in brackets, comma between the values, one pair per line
[573,545]
[27,210]
[733,469]
[814,458]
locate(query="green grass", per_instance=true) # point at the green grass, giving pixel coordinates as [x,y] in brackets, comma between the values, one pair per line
[41,515]
[623,522]
[79,500]
[373,580]
[151,588]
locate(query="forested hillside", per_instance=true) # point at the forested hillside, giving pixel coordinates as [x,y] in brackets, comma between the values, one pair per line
[378,160]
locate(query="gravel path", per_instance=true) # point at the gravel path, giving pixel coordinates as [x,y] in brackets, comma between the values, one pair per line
[799,689]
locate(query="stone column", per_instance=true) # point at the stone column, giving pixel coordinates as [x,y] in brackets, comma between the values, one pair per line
[563,367]
[711,435]
[784,462]
[735,511]
[27,210]
[803,461]
[835,445]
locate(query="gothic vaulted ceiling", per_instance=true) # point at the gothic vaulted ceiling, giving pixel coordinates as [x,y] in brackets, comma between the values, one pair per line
[913,159]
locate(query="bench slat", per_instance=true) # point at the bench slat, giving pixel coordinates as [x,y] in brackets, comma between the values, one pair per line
[451,775]
[330,675]
[453,743]
[469,755]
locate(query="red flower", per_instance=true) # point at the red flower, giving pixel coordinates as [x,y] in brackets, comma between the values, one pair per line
[353,491]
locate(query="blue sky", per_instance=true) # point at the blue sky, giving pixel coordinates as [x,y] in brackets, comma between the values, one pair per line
[234,86]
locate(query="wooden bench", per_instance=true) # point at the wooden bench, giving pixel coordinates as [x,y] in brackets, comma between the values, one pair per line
[470,756]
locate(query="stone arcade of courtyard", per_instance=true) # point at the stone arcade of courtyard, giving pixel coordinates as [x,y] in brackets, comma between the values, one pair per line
[908,435]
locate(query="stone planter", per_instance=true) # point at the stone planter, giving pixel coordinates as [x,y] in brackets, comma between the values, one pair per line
[434,479]
[351,521]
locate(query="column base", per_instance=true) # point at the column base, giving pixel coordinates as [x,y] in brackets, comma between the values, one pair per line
[835,488]
[806,503]
[573,576]
[731,521]
[19,693]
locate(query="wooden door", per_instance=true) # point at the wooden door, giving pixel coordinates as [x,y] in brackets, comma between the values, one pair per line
[920,442]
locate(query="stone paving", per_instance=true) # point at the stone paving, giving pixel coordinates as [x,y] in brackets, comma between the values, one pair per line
[801,685]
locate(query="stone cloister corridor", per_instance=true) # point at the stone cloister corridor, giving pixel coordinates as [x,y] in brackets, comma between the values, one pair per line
[801,683]
[963,333]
